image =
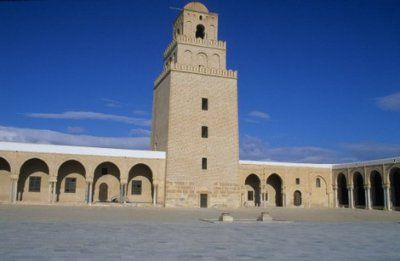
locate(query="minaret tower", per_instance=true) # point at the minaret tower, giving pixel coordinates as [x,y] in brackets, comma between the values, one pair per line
[195,114]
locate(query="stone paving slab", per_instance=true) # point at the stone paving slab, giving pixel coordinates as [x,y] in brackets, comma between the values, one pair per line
[101,233]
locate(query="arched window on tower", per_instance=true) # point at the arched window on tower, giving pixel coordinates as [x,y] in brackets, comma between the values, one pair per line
[200,31]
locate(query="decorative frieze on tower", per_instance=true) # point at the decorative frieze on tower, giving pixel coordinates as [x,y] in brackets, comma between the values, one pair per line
[195,114]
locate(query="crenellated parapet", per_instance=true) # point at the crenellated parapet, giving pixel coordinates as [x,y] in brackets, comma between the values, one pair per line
[194,41]
[195,69]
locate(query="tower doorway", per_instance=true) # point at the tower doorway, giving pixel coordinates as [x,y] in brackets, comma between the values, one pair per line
[203,200]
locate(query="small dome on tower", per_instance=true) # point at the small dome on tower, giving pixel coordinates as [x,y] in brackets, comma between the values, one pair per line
[196,6]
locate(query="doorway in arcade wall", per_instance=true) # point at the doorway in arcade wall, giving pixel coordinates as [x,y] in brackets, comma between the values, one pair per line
[203,200]
[103,192]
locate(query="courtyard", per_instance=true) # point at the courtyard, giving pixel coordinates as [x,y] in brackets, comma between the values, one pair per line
[103,232]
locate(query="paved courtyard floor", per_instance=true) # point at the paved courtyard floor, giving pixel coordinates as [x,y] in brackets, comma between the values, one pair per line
[31,232]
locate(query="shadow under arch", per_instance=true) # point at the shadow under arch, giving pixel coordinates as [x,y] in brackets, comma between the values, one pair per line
[252,184]
[343,196]
[359,191]
[275,182]
[394,176]
[377,200]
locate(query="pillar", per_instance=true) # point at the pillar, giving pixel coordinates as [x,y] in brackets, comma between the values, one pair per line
[367,197]
[386,194]
[126,193]
[335,197]
[351,200]
[155,195]
[90,183]
[54,197]
[283,199]
[14,189]
[122,194]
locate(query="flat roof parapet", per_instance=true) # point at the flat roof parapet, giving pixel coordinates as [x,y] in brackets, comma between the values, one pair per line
[80,150]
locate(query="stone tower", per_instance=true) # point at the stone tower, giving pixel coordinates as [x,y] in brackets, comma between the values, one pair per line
[195,114]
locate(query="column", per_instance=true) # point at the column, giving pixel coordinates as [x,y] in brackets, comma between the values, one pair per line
[335,197]
[283,199]
[50,191]
[367,197]
[15,190]
[126,193]
[11,190]
[351,200]
[121,195]
[386,194]
[90,183]
[54,197]
[155,195]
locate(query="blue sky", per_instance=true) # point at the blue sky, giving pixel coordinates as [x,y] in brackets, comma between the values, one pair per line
[319,81]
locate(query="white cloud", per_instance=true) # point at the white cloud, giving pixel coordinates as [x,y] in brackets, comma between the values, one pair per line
[87,115]
[253,148]
[53,137]
[259,115]
[390,102]
[75,130]
[112,103]
[371,150]
[140,132]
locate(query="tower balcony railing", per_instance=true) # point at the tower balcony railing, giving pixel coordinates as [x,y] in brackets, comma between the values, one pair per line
[195,69]
[196,41]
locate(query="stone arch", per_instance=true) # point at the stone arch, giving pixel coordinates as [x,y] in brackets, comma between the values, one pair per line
[394,176]
[320,193]
[33,182]
[297,200]
[359,191]
[274,190]
[252,184]
[5,179]
[215,61]
[106,183]
[343,196]
[202,59]
[187,57]
[140,184]
[377,200]
[71,182]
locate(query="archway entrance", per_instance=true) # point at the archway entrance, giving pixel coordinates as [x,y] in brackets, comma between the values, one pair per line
[33,182]
[297,198]
[103,192]
[395,187]
[359,192]
[106,183]
[71,183]
[376,190]
[5,180]
[274,190]
[252,184]
[140,184]
[343,196]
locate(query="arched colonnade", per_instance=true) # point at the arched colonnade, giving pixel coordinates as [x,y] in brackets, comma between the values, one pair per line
[71,180]
[368,188]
